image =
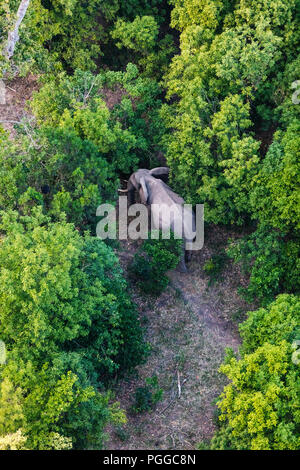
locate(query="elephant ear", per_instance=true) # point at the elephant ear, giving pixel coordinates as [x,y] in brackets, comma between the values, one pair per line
[145,190]
[160,171]
[132,183]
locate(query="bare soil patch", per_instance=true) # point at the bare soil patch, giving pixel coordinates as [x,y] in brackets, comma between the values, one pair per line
[18,92]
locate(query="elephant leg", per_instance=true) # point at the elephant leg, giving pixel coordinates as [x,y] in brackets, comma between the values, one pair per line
[181,265]
[131,196]
[188,256]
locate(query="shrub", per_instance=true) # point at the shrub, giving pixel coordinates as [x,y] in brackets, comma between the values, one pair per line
[272,259]
[215,265]
[153,260]
[147,397]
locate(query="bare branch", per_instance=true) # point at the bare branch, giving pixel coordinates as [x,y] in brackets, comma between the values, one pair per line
[27,130]
[178,383]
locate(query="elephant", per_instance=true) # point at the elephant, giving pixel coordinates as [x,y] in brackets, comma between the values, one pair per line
[153,190]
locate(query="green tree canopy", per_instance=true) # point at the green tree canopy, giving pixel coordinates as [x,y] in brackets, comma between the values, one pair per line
[68,325]
[259,409]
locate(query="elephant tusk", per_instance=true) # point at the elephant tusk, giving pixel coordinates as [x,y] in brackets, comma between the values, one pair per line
[123,190]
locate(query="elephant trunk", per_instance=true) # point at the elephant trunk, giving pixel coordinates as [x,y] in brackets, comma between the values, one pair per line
[130,191]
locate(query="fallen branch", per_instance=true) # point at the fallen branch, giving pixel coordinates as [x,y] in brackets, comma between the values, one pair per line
[178,383]
[174,399]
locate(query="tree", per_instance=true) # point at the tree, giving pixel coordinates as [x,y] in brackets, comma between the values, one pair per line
[117,111]
[142,36]
[139,35]
[259,409]
[58,170]
[280,320]
[271,258]
[275,198]
[68,325]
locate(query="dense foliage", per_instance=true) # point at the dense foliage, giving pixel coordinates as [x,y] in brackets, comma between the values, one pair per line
[208,87]
[140,39]
[116,111]
[68,325]
[57,35]
[231,89]
[272,259]
[57,170]
[260,407]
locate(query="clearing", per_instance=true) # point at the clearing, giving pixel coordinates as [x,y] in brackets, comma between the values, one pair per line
[188,328]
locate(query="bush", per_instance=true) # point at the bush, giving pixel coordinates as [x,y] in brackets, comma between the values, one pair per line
[272,259]
[147,397]
[215,265]
[152,261]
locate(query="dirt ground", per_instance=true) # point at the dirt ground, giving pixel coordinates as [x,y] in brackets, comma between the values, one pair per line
[18,92]
[188,328]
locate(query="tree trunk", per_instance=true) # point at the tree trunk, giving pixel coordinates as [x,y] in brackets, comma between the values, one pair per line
[13,37]
[2,92]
